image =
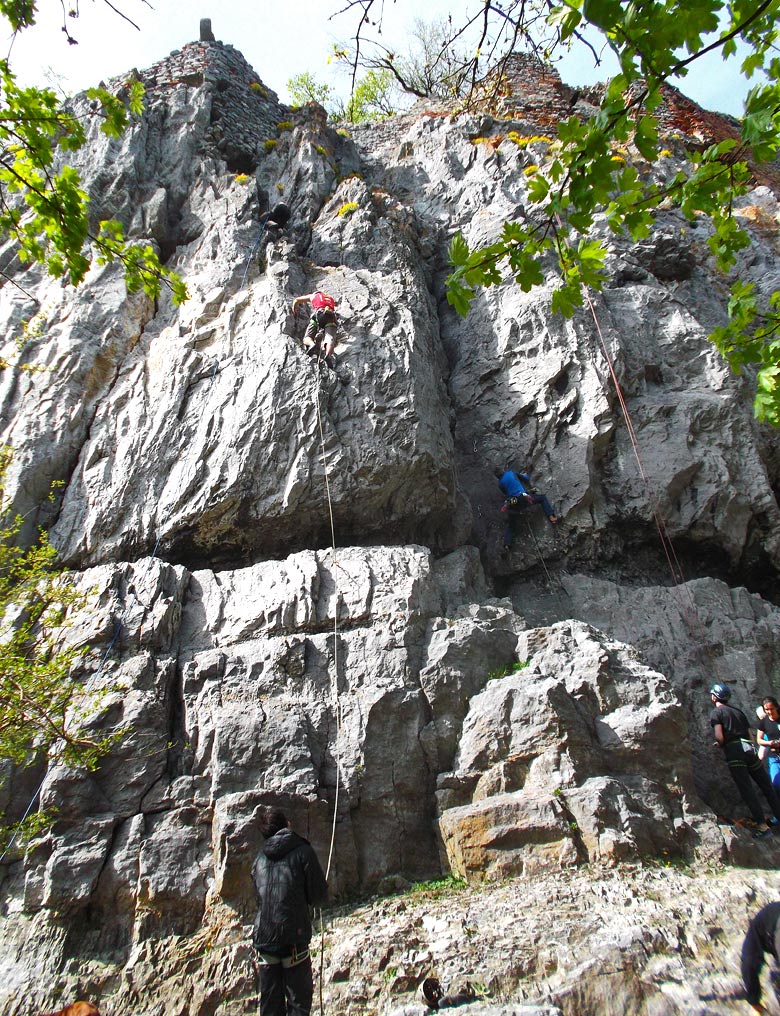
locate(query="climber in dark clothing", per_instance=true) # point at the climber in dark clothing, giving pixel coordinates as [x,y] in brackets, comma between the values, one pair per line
[272,223]
[763,936]
[519,493]
[288,880]
[277,217]
[732,733]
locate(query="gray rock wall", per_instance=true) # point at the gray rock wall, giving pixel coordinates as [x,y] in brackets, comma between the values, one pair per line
[296,591]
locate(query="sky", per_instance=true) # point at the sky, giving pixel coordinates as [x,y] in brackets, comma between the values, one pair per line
[278,40]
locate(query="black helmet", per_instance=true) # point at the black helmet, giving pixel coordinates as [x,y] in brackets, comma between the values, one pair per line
[722,692]
[280,214]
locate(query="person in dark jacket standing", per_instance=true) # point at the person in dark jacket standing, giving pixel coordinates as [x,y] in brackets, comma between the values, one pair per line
[763,936]
[732,733]
[288,880]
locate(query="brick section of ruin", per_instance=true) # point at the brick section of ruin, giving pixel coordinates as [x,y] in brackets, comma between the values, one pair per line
[524,88]
[244,112]
[528,90]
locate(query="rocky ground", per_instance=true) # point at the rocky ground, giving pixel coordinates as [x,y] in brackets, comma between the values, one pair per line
[639,939]
[644,939]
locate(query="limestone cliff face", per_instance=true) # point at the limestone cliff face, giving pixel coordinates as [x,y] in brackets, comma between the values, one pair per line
[415,699]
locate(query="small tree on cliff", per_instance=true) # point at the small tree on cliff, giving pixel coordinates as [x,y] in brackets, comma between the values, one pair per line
[305,88]
[40,703]
[44,209]
[584,174]
[371,99]
[433,64]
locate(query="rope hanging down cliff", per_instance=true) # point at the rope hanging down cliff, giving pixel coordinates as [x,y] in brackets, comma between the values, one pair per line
[675,567]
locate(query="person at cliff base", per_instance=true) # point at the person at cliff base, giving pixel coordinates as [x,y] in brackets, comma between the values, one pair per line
[288,881]
[762,937]
[732,733]
[322,325]
[519,493]
[769,737]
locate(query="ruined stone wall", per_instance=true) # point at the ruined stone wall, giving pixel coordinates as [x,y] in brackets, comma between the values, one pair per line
[244,111]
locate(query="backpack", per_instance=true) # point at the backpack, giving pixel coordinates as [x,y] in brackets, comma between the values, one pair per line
[320,301]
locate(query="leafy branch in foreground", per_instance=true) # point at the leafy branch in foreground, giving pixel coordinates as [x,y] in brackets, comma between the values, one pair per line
[587,173]
[46,211]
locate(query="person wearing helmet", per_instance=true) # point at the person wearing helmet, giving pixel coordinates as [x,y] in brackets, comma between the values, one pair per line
[273,223]
[322,325]
[732,732]
[277,217]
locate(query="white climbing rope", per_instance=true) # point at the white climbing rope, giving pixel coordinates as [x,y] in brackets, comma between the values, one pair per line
[335,690]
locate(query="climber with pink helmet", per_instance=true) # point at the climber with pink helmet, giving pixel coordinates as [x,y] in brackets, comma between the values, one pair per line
[322,325]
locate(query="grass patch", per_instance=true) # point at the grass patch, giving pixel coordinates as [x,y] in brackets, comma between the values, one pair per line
[439,886]
[510,668]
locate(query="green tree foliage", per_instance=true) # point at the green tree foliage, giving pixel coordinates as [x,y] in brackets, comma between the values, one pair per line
[43,206]
[40,704]
[584,177]
[372,98]
[305,88]
[45,210]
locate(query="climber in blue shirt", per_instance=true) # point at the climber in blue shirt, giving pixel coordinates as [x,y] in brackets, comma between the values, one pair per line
[519,493]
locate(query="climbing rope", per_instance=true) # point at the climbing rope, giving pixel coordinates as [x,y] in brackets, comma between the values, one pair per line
[337,704]
[675,567]
[556,587]
[252,253]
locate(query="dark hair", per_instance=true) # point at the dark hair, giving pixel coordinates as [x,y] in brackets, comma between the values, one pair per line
[498,472]
[271,821]
[771,700]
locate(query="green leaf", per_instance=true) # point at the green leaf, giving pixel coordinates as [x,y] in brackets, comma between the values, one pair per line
[459,250]
[458,295]
[603,13]
[646,137]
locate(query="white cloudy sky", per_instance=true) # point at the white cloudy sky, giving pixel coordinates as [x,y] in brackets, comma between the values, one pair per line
[278,39]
